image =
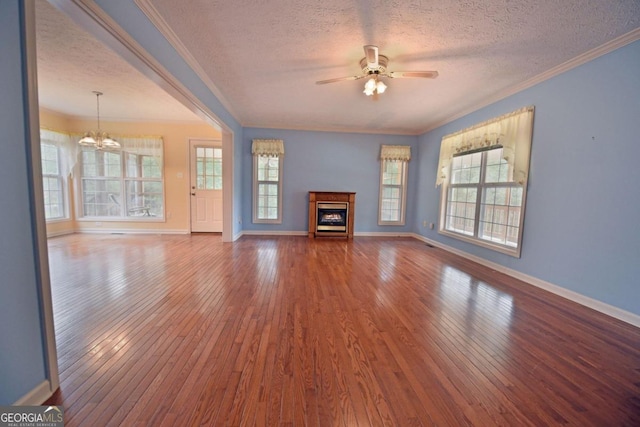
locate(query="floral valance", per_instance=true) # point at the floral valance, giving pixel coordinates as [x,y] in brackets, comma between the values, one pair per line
[267,147]
[395,152]
[512,131]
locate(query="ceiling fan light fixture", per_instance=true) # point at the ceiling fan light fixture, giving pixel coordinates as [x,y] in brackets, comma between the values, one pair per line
[373,85]
[98,139]
[370,87]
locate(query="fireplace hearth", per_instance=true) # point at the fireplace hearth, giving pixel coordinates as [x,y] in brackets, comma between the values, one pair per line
[331,214]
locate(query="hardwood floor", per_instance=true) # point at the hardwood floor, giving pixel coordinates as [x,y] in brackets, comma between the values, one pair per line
[186,330]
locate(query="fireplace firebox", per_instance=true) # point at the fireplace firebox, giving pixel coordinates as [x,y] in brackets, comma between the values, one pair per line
[331,214]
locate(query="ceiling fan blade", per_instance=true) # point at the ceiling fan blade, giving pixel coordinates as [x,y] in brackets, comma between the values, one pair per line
[371,53]
[406,74]
[339,79]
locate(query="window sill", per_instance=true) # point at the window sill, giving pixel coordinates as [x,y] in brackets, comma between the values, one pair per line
[58,220]
[507,250]
[266,221]
[397,223]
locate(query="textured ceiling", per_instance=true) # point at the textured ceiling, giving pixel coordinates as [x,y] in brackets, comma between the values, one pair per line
[265,56]
[72,64]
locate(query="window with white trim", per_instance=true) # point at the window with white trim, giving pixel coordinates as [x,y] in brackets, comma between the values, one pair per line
[394,161]
[53,182]
[125,183]
[208,168]
[484,173]
[267,180]
[55,159]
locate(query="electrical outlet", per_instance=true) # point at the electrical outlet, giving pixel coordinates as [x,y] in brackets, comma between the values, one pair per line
[431,225]
[424,223]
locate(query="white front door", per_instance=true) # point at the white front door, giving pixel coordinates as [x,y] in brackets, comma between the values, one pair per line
[206,185]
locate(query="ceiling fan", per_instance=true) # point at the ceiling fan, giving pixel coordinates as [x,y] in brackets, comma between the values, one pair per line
[374,66]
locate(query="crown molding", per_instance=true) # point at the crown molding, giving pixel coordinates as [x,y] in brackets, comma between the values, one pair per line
[579,60]
[159,22]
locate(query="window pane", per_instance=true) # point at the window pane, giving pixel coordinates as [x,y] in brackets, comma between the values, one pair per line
[392,173]
[111,164]
[53,197]
[497,167]
[101,197]
[50,162]
[268,168]
[144,198]
[132,165]
[465,169]
[460,211]
[151,167]
[267,201]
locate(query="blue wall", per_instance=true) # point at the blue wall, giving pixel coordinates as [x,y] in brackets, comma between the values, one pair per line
[22,356]
[327,161]
[582,221]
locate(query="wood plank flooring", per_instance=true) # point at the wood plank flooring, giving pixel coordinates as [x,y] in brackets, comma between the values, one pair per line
[291,331]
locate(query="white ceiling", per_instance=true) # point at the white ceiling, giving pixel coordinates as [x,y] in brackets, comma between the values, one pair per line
[265,56]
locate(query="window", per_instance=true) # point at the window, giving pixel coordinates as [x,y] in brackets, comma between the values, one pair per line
[267,181]
[394,160]
[123,184]
[55,153]
[208,168]
[53,182]
[480,201]
[484,173]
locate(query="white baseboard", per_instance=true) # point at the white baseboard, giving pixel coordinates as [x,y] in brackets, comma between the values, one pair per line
[60,233]
[129,231]
[36,396]
[272,233]
[382,234]
[306,233]
[594,304]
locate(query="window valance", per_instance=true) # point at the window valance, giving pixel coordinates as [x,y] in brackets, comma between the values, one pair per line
[395,152]
[267,147]
[143,146]
[511,131]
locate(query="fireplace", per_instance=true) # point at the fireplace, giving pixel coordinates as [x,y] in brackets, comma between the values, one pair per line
[331,214]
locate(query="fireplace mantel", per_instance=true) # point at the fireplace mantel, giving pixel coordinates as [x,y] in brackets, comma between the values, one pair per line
[316,197]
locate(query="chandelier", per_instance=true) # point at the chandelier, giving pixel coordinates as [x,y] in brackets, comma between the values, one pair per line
[96,138]
[373,85]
